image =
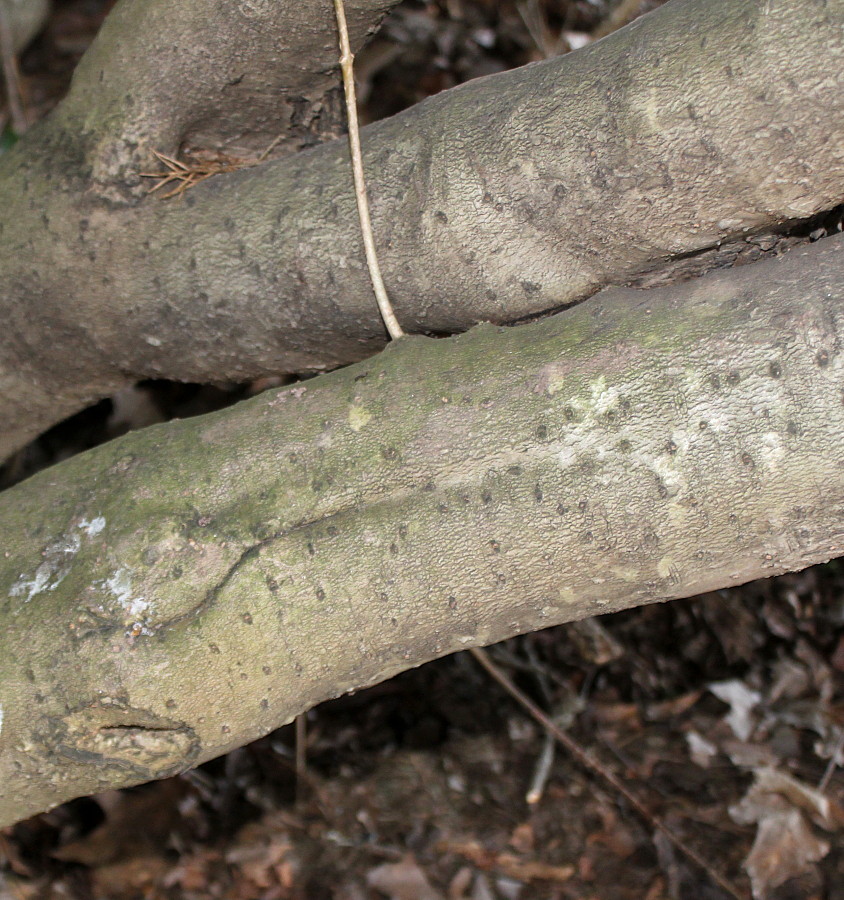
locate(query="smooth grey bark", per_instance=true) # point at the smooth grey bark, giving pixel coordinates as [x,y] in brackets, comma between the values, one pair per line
[701,123]
[218,76]
[185,589]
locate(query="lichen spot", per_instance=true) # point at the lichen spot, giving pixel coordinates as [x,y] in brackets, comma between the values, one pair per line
[358,417]
[566,596]
[604,398]
[551,379]
[566,457]
[94,527]
[137,609]
[57,560]
[772,450]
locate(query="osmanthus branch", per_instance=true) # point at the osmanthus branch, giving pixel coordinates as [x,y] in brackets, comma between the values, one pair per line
[187,588]
[667,145]
[230,77]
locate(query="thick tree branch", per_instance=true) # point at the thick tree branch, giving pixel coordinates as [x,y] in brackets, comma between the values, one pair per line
[228,76]
[187,588]
[507,196]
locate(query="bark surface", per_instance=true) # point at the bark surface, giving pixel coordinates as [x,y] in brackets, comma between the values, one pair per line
[508,196]
[180,591]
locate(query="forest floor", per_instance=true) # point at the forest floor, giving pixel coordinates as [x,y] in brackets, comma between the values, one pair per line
[723,714]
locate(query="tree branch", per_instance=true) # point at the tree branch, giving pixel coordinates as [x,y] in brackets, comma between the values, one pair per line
[219,76]
[510,195]
[187,588]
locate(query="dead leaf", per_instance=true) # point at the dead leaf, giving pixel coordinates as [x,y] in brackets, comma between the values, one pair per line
[671,709]
[785,845]
[402,881]
[784,848]
[817,804]
[137,824]
[523,838]
[507,863]
[741,700]
[481,889]
[701,750]
[136,874]
[460,884]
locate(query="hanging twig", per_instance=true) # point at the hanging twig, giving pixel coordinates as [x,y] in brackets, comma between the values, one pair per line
[536,21]
[586,759]
[347,68]
[624,13]
[14,95]
[542,772]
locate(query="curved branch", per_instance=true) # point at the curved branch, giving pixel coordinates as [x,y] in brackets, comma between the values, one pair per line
[232,76]
[184,589]
[504,197]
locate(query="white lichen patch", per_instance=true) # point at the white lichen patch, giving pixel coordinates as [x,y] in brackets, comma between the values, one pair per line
[566,596]
[668,463]
[772,450]
[604,398]
[2,716]
[58,558]
[716,418]
[94,527]
[566,457]
[551,380]
[669,473]
[57,561]
[120,585]
[625,574]
[135,609]
[254,9]
[338,260]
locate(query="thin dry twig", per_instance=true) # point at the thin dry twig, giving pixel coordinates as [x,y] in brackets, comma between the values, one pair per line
[187,174]
[624,13]
[833,763]
[536,21]
[586,759]
[273,144]
[14,95]
[542,772]
[347,68]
